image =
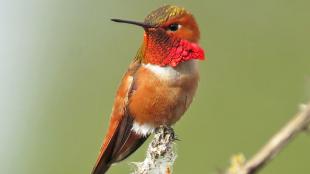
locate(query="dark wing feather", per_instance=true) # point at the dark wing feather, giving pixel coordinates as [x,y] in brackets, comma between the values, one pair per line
[129,144]
[120,141]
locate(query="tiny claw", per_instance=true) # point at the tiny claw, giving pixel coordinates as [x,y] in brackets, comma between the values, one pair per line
[177,139]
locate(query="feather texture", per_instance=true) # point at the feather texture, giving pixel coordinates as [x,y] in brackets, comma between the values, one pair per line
[120,140]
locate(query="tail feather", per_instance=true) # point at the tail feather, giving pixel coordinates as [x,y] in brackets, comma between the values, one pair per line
[105,160]
[133,142]
[122,143]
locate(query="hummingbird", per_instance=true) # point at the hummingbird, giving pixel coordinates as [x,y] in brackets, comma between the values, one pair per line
[158,86]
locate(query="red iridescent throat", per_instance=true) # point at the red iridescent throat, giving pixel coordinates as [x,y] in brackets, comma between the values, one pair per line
[166,51]
[185,51]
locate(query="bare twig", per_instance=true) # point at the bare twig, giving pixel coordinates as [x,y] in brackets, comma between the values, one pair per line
[299,123]
[160,155]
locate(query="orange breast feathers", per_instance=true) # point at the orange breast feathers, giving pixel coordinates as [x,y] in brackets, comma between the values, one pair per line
[158,101]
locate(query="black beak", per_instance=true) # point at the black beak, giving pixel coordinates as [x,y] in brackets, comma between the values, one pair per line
[141,24]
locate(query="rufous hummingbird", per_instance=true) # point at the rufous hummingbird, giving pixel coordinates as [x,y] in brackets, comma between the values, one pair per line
[158,86]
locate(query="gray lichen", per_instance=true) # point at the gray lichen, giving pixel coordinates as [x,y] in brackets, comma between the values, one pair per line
[160,155]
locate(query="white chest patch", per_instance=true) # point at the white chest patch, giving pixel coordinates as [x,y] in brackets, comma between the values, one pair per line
[170,73]
[165,72]
[142,129]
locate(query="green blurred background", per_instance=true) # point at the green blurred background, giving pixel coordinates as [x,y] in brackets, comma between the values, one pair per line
[61,62]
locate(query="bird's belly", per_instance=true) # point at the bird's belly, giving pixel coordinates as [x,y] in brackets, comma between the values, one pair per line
[161,99]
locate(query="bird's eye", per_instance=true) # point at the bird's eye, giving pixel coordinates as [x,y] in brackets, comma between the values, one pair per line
[173,27]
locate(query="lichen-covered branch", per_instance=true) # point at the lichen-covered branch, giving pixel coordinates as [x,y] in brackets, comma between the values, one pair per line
[160,154]
[299,123]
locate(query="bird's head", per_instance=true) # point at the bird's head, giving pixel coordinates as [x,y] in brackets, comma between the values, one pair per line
[171,36]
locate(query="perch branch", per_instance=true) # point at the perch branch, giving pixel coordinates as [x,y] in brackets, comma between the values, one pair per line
[160,155]
[297,124]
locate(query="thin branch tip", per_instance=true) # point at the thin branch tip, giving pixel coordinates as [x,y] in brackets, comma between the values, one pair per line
[160,155]
[299,123]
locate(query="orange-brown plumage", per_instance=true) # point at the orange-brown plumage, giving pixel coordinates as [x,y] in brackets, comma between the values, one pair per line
[189,30]
[158,86]
[164,98]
